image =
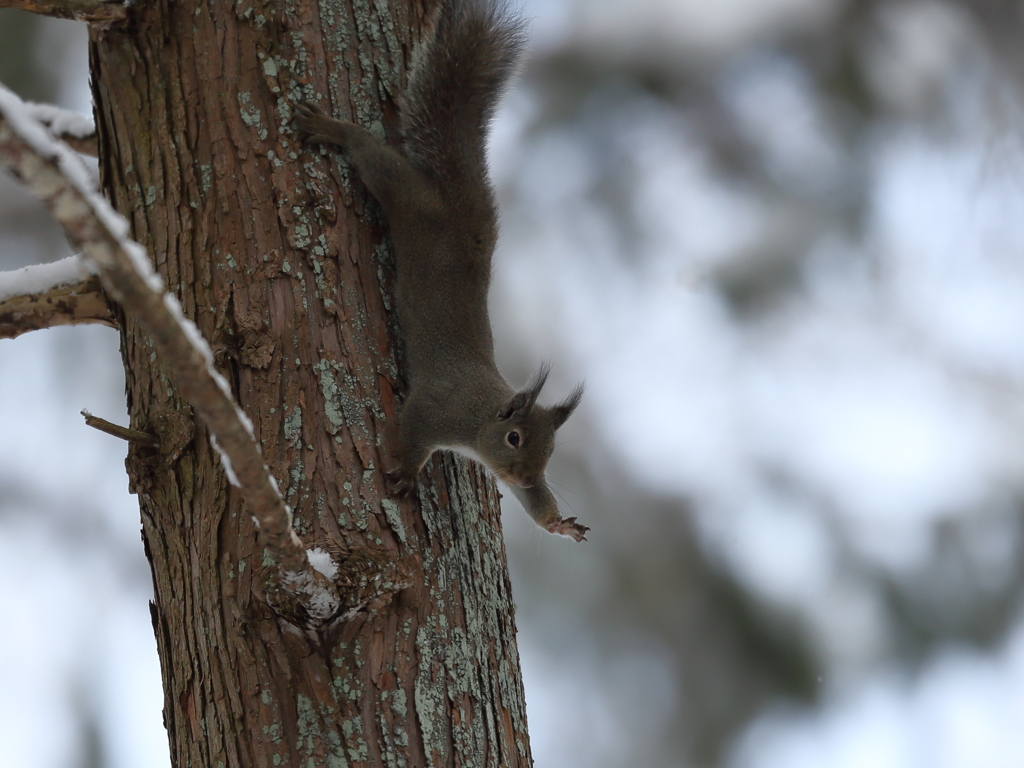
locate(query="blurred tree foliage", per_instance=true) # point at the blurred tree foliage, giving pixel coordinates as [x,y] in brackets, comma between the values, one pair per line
[30,64]
[862,70]
[19,68]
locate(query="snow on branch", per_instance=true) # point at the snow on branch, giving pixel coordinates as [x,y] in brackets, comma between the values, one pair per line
[102,12]
[56,176]
[59,301]
[39,278]
[74,128]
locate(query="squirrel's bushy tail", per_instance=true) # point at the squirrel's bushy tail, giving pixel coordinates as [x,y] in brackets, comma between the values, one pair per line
[459,74]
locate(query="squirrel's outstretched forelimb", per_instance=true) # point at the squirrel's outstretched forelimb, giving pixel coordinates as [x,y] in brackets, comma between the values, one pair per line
[440,208]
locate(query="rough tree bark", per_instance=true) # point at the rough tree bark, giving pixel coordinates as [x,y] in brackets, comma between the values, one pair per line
[281,259]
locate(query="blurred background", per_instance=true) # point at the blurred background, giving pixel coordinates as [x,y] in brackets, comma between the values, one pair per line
[783,242]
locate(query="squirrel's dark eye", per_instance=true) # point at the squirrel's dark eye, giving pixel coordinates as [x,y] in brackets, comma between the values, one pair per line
[512,438]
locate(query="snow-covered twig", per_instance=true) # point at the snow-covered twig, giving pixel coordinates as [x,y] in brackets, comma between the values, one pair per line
[102,12]
[56,176]
[74,128]
[40,278]
[60,302]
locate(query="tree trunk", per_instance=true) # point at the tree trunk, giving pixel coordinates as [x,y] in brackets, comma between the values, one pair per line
[280,257]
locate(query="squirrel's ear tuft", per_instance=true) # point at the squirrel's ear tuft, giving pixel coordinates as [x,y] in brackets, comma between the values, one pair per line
[564,409]
[523,401]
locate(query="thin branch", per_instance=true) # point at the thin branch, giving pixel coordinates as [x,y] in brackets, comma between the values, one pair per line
[116,430]
[103,12]
[74,128]
[56,176]
[86,145]
[76,304]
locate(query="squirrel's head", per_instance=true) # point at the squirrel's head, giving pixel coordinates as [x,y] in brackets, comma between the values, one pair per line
[517,443]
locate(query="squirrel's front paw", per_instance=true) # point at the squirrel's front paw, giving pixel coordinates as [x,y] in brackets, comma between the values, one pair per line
[569,527]
[400,483]
[312,121]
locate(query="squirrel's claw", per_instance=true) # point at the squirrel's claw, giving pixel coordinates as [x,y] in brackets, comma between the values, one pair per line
[569,527]
[399,483]
[306,112]
[311,120]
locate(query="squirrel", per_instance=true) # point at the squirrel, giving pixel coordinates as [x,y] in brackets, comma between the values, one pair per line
[441,210]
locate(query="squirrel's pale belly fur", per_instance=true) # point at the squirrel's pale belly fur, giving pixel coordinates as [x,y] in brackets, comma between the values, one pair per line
[441,211]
